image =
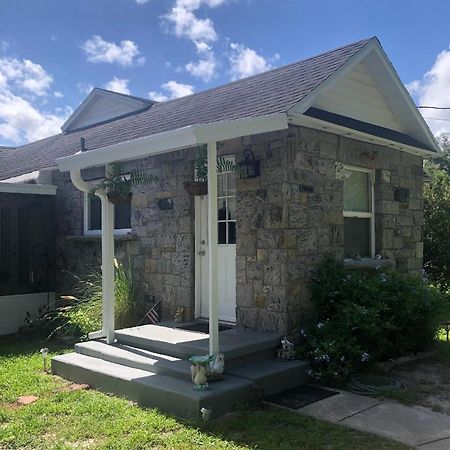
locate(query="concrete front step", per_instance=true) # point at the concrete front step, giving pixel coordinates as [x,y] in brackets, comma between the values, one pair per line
[171,395]
[137,358]
[273,376]
[236,343]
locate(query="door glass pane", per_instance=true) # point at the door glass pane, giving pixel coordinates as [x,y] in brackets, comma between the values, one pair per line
[356,191]
[221,185]
[356,237]
[231,232]
[231,203]
[231,183]
[222,209]
[222,233]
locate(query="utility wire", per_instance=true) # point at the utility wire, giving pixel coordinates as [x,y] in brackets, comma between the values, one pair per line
[436,118]
[433,107]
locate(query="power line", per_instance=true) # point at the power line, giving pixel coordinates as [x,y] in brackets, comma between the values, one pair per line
[433,107]
[436,118]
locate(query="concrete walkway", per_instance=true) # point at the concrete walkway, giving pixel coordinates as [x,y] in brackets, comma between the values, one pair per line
[415,426]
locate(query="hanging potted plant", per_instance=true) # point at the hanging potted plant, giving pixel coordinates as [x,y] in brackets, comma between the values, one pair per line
[118,185]
[200,185]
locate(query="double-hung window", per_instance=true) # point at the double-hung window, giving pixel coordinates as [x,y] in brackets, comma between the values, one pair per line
[93,216]
[359,216]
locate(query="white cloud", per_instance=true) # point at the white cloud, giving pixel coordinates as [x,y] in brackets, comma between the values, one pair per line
[174,90]
[434,90]
[85,88]
[205,68]
[118,85]
[24,88]
[20,120]
[125,54]
[25,76]
[141,2]
[245,62]
[186,24]
[58,94]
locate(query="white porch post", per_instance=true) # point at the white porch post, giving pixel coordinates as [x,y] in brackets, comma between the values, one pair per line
[212,249]
[108,297]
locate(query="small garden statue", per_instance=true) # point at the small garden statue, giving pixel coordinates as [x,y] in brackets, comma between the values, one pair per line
[216,366]
[198,371]
[286,351]
[179,314]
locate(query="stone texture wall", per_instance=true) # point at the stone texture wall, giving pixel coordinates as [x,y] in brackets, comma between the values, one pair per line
[292,216]
[287,220]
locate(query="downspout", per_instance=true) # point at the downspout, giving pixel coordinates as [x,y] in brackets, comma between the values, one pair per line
[107,257]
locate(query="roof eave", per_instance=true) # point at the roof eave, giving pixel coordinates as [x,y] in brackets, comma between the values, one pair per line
[172,140]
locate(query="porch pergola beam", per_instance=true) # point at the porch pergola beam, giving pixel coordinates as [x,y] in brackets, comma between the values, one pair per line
[212,249]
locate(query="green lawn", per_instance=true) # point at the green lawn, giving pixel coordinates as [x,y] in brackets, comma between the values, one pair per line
[87,419]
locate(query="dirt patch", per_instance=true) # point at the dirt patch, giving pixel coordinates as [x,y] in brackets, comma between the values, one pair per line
[426,383]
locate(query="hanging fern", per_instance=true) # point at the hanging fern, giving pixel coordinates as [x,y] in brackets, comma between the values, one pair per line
[201,164]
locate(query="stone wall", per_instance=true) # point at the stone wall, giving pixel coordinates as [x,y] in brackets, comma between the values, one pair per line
[288,219]
[292,216]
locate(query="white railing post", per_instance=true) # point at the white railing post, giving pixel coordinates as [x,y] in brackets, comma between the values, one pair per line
[212,249]
[108,267]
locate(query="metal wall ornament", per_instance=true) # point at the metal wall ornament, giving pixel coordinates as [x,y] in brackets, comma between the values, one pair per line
[249,167]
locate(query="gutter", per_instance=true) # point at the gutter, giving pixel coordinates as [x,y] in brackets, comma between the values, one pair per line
[190,136]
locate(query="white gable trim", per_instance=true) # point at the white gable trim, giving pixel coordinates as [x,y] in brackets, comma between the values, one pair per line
[94,95]
[398,94]
[168,141]
[24,188]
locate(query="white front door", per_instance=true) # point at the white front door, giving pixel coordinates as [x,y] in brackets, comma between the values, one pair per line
[226,204]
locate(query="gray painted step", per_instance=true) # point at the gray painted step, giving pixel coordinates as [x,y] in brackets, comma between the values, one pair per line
[236,343]
[136,358]
[170,395]
[272,376]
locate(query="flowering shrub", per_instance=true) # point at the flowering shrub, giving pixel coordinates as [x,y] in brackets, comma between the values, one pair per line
[367,316]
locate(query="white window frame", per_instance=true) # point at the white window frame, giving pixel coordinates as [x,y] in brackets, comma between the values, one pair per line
[86,214]
[366,215]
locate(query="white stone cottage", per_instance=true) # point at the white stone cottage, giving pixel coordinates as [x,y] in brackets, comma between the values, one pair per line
[340,146]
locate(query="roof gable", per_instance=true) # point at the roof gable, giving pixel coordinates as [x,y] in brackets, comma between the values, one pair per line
[368,89]
[102,105]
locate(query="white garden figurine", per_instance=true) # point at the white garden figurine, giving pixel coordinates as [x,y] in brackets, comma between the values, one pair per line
[216,367]
[198,374]
[44,352]
[206,414]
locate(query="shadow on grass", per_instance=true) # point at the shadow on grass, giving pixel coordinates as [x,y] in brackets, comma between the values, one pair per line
[22,344]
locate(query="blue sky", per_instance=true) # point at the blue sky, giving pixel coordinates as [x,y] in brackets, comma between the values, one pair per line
[53,51]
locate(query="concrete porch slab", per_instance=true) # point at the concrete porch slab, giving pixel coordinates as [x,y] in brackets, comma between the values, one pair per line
[411,425]
[339,407]
[234,343]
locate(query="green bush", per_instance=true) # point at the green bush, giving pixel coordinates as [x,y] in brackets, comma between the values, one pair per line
[437,227]
[81,313]
[367,316]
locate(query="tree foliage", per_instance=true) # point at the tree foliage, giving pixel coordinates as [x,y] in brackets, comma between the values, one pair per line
[437,218]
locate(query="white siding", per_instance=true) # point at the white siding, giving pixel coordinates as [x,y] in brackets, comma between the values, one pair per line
[102,109]
[357,96]
[13,309]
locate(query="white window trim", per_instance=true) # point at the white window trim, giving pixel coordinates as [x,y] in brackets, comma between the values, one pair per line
[87,231]
[366,215]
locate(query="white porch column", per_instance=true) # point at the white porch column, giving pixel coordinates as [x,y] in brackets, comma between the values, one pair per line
[108,297]
[212,249]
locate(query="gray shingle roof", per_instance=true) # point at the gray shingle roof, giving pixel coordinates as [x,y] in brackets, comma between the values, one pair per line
[270,92]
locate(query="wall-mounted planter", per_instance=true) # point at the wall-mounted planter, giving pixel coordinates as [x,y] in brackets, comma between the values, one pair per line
[117,198]
[196,188]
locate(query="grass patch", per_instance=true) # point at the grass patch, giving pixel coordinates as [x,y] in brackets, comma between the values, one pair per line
[88,419]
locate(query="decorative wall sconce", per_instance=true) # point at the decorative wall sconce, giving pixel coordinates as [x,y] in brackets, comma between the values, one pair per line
[165,204]
[249,167]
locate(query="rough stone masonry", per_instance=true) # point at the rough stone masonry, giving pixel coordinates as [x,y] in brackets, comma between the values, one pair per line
[288,219]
